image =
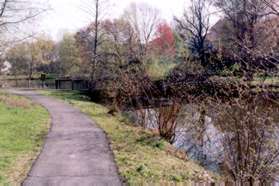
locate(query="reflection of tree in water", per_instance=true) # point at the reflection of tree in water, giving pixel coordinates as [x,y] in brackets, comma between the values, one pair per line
[198,136]
[238,137]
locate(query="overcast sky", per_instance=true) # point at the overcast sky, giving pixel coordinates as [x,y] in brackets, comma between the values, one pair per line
[68,16]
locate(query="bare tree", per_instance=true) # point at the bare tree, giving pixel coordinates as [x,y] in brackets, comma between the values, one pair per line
[144,20]
[14,12]
[193,27]
[250,140]
[246,20]
[96,10]
[119,41]
[15,19]
[273,5]
[167,120]
[118,50]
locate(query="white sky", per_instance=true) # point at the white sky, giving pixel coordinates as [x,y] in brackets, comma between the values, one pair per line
[68,16]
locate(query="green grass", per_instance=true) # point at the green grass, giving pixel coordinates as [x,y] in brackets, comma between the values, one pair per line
[142,157]
[23,126]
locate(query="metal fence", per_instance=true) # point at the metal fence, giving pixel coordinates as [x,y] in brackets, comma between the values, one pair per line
[68,84]
[64,84]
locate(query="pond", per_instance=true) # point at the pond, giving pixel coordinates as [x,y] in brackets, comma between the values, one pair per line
[226,136]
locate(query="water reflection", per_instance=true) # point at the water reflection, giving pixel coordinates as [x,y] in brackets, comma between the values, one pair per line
[239,138]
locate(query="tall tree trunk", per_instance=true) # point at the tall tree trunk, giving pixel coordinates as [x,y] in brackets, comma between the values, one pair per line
[30,73]
[96,40]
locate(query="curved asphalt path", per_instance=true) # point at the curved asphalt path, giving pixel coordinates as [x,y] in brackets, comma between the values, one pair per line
[76,151]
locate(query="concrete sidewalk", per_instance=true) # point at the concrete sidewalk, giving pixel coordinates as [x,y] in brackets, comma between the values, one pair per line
[76,151]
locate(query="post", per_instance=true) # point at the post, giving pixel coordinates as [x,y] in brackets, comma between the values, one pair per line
[73,85]
[56,84]
[43,78]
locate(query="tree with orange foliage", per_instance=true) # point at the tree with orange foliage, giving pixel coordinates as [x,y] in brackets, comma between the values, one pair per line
[164,42]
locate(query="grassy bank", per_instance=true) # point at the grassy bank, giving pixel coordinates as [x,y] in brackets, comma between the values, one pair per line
[23,126]
[141,156]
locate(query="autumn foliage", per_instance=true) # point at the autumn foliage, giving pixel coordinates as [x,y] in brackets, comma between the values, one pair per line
[164,42]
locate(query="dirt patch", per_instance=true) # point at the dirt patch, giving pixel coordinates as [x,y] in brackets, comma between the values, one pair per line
[20,169]
[15,102]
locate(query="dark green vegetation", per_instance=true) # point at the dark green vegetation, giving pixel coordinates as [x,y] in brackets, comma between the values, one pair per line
[141,155]
[23,126]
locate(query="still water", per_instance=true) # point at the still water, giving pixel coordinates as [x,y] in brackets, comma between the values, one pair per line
[206,139]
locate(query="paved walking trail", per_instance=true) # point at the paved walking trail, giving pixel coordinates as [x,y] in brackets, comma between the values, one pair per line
[76,151]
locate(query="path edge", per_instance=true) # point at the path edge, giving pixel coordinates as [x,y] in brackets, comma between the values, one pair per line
[50,123]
